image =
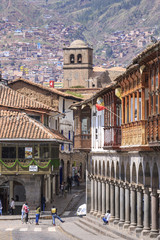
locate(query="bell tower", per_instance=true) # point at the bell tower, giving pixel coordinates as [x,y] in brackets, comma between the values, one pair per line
[78,64]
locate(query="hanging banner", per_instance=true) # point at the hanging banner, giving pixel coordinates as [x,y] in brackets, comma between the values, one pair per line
[28,152]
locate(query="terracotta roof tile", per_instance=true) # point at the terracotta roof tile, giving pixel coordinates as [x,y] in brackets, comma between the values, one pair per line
[17,125]
[11,98]
[52,90]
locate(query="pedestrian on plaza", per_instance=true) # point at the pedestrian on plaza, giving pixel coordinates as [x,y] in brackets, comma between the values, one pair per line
[54,215]
[62,189]
[65,189]
[12,206]
[69,182]
[106,217]
[1,207]
[22,212]
[26,210]
[38,210]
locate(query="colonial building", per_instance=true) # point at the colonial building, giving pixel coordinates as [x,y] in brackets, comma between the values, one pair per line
[62,121]
[124,167]
[29,150]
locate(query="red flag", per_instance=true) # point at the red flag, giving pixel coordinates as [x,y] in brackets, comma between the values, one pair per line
[51,83]
[100,107]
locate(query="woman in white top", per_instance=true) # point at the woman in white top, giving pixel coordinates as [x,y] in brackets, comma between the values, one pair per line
[22,212]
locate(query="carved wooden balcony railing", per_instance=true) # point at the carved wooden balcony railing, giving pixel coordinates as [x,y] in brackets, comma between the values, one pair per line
[153,130]
[112,137]
[82,141]
[134,134]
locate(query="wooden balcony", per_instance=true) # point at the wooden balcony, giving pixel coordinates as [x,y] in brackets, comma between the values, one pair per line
[153,131]
[22,166]
[82,141]
[112,137]
[134,134]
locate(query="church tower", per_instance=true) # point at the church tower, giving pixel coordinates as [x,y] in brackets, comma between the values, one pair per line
[78,64]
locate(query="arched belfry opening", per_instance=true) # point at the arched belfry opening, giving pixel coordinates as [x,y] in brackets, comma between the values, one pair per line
[72,58]
[79,58]
[78,64]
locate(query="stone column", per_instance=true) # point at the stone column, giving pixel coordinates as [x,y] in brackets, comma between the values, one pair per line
[139,211]
[146,228]
[99,198]
[92,196]
[95,197]
[112,201]
[46,190]
[154,214]
[49,188]
[133,208]
[103,198]
[127,207]
[10,190]
[107,196]
[122,206]
[117,204]
[53,185]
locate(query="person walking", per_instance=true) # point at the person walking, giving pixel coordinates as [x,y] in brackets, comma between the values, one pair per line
[54,215]
[1,207]
[12,206]
[62,189]
[26,210]
[106,217]
[38,210]
[22,212]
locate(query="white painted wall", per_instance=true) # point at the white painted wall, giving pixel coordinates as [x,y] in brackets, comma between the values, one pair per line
[97,126]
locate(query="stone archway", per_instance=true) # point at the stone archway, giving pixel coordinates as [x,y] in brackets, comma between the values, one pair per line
[140,174]
[117,170]
[112,170]
[108,170]
[12,188]
[147,176]
[155,177]
[99,168]
[134,176]
[128,173]
[104,170]
[96,168]
[122,172]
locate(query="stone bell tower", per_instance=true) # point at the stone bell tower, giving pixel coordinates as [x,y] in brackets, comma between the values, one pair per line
[78,64]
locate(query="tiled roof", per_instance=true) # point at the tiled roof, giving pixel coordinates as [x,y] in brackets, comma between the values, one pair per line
[17,125]
[52,90]
[11,98]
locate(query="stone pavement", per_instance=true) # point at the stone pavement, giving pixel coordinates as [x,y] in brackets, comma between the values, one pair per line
[60,202]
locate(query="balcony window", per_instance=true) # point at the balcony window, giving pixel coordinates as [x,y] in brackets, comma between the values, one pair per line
[62,146]
[44,151]
[135,111]
[86,125]
[8,152]
[152,80]
[157,77]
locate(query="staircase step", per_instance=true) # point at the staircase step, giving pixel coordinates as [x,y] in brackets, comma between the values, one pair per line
[94,221]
